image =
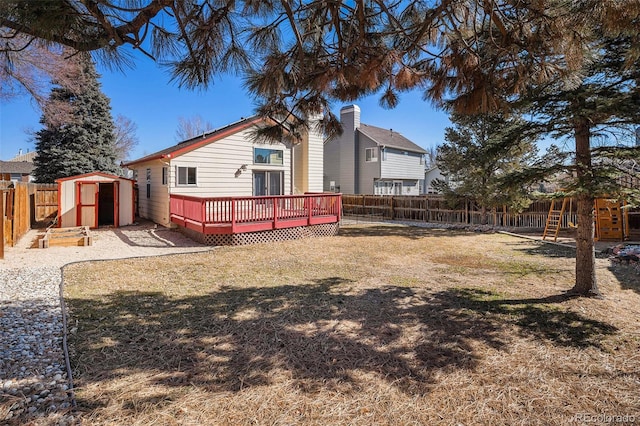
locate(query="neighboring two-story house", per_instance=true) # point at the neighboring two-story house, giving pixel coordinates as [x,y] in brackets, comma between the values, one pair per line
[371,160]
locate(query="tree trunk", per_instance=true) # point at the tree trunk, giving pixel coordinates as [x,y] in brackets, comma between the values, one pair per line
[585,284]
[484,215]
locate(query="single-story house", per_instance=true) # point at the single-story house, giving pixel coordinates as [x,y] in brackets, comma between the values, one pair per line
[19,171]
[224,182]
[226,162]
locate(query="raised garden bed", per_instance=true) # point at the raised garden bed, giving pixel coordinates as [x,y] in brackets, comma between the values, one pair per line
[64,237]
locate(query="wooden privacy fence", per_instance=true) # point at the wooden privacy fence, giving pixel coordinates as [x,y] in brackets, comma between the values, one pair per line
[433,208]
[15,213]
[25,205]
[44,204]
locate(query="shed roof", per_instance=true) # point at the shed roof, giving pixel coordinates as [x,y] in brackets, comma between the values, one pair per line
[21,167]
[387,137]
[197,142]
[86,175]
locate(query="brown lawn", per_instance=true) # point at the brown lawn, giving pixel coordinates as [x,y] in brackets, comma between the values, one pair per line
[380,325]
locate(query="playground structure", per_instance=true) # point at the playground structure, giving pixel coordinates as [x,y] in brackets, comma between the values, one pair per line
[611,219]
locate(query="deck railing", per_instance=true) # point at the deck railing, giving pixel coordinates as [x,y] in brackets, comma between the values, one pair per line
[232,215]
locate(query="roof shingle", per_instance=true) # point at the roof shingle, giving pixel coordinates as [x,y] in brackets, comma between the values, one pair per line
[19,167]
[387,137]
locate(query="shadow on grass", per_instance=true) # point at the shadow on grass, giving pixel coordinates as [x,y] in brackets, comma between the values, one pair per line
[539,317]
[151,237]
[543,249]
[320,335]
[411,232]
[627,274]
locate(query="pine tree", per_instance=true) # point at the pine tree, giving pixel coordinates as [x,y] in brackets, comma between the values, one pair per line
[479,150]
[605,96]
[83,141]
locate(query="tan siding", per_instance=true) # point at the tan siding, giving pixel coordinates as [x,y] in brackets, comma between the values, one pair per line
[68,203]
[125,201]
[218,164]
[308,160]
[300,181]
[315,162]
[155,208]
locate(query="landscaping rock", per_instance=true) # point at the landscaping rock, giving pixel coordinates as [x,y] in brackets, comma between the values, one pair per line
[31,354]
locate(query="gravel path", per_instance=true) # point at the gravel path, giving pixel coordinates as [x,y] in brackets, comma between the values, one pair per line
[33,378]
[34,385]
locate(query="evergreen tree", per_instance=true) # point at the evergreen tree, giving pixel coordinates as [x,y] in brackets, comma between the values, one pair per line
[83,142]
[605,96]
[479,150]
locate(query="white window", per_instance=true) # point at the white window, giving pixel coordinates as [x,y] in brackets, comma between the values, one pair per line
[371,154]
[186,175]
[267,156]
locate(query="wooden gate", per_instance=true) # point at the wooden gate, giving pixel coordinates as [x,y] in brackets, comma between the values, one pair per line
[45,205]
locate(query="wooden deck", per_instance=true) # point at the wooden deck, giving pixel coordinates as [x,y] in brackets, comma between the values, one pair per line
[235,215]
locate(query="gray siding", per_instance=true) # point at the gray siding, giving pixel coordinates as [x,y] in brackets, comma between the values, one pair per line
[368,172]
[399,165]
[331,163]
[430,176]
[350,118]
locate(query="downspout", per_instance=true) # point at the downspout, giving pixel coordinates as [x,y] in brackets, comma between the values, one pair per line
[292,169]
[380,159]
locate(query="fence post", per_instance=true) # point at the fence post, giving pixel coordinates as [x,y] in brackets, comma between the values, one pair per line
[393,213]
[466,211]
[1,224]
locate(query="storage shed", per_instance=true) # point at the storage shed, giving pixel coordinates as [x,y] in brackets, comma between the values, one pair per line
[95,199]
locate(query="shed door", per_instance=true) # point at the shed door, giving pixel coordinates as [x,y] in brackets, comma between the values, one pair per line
[87,196]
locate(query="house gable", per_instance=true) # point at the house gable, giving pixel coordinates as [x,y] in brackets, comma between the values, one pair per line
[197,142]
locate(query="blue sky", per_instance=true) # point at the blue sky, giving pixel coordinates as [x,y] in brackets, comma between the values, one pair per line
[145,95]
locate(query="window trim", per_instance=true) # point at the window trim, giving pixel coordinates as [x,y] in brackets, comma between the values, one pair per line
[165,175]
[195,183]
[148,182]
[373,157]
[268,157]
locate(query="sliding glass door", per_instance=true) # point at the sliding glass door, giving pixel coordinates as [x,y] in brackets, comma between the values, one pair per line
[267,183]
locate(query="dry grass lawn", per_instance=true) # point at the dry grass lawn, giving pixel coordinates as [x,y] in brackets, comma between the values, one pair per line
[382,325]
